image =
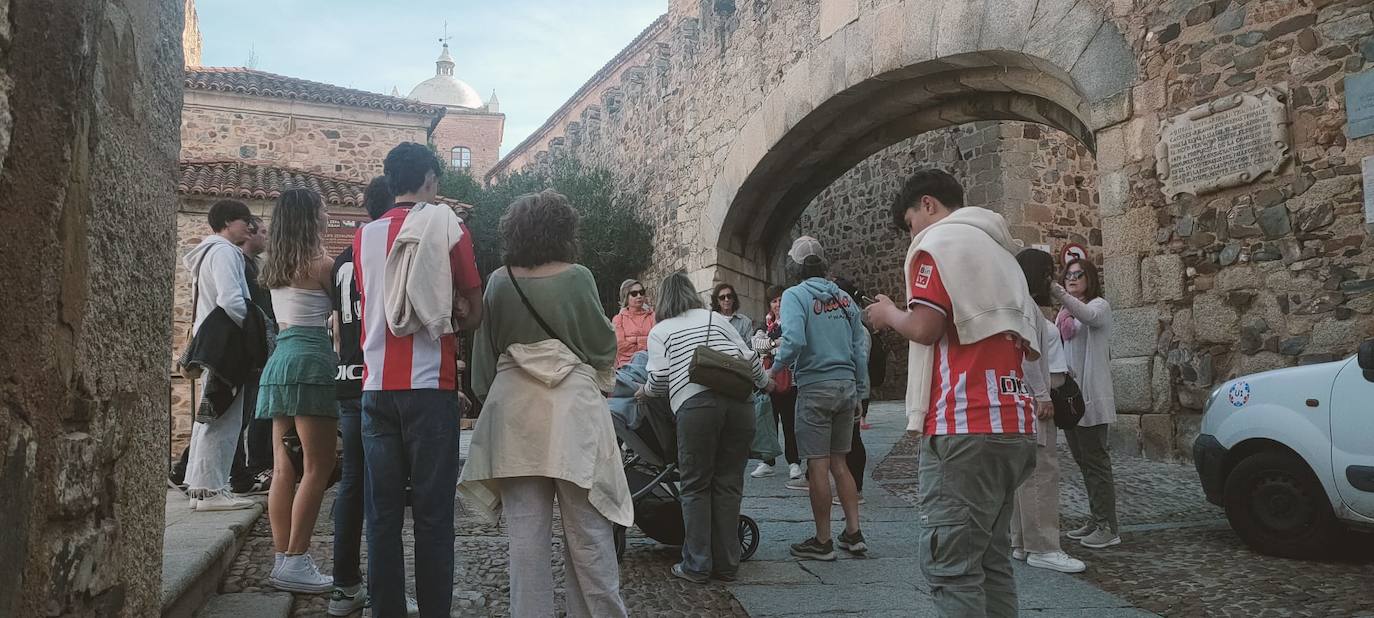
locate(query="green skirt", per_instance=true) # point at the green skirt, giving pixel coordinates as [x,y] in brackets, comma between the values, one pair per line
[299,377]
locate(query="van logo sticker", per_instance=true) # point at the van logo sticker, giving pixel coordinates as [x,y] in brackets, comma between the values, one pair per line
[1239,395]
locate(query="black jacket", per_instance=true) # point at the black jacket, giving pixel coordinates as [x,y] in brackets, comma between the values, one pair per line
[230,353]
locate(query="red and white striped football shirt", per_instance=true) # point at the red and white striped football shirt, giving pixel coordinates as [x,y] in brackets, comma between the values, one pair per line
[976,388]
[417,361]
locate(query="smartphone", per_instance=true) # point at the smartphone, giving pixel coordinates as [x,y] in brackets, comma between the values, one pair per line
[866,300]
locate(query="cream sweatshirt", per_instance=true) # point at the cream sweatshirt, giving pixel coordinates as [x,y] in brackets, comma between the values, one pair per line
[419,277]
[976,257]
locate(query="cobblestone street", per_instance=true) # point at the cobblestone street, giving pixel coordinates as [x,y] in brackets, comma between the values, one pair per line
[1178,556]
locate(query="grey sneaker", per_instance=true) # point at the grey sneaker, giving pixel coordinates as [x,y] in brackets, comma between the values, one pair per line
[814,550]
[1083,532]
[691,577]
[798,484]
[1100,538]
[853,544]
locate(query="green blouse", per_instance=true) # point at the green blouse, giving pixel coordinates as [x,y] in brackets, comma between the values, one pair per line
[568,303]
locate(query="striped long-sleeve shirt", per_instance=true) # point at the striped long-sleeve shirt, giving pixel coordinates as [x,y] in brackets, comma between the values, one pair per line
[671,344]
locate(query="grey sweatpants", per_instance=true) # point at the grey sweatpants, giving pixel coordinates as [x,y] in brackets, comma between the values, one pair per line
[967,487]
[713,438]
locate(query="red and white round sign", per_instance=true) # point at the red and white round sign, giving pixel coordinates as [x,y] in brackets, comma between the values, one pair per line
[1073,251]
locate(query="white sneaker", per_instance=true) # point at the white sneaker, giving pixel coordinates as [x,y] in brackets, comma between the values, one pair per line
[224,500]
[345,601]
[836,499]
[277,559]
[299,574]
[794,471]
[1056,561]
[194,503]
[762,470]
[1018,554]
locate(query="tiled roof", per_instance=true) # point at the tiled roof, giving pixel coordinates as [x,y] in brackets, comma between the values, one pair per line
[263,182]
[256,181]
[260,83]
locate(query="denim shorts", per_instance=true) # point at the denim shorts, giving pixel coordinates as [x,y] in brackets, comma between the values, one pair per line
[825,418]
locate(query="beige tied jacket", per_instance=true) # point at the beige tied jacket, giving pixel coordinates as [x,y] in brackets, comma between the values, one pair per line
[545,416]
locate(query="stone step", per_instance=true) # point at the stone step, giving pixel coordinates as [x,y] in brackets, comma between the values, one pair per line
[197,548]
[244,604]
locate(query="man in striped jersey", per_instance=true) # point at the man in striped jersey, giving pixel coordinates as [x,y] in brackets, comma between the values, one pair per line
[971,315]
[410,404]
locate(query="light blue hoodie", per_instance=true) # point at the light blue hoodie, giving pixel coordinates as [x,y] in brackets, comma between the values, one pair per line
[823,336]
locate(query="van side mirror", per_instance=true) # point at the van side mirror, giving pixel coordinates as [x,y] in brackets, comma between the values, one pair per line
[1366,359]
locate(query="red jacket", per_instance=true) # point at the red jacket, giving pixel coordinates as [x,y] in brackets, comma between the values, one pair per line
[631,333]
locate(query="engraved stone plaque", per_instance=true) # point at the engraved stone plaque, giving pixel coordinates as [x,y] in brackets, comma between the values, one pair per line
[1359,104]
[1226,143]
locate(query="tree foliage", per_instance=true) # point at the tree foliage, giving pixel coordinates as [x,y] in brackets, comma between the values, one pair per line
[614,241]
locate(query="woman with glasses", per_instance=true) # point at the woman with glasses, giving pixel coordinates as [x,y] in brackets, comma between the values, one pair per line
[725,301]
[783,397]
[1085,325]
[633,323]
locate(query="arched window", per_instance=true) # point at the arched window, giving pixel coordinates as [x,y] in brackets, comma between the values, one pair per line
[462,158]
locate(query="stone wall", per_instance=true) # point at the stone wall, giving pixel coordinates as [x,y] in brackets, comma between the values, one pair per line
[339,141]
[1041,179]
[93,93]
[191,41]
[479,132]
[737,107]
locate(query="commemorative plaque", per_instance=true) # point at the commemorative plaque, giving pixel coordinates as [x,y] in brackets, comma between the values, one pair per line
[1226,143]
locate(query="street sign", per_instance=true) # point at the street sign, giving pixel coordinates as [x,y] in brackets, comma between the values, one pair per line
[1073,251]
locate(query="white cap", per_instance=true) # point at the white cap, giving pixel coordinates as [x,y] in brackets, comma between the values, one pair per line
[806,247]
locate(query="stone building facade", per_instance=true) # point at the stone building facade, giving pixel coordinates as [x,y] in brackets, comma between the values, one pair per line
[237,114]
[730,117]
[90,93]
[1040,179]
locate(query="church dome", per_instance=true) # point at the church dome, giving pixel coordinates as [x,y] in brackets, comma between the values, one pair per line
[444,88]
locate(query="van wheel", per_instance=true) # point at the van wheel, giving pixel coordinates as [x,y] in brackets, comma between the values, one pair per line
[1278,507]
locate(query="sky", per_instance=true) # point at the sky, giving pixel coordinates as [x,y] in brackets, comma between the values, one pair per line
[533,53]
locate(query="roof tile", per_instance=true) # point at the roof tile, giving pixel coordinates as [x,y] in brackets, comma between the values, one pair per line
[263,84]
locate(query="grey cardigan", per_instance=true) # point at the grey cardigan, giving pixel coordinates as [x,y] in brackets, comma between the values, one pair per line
[1089,355]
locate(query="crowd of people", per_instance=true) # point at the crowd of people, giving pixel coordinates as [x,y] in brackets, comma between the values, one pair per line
[317,368]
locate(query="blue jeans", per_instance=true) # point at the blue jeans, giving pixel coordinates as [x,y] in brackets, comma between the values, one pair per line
[348,504]
[414,435]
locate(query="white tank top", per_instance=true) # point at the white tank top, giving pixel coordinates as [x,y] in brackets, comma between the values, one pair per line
[300,307]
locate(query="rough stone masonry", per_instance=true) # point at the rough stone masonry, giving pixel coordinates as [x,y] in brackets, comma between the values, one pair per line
[730,117]
[90,94]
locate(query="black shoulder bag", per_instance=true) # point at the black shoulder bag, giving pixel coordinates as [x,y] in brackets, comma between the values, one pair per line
[1069,407]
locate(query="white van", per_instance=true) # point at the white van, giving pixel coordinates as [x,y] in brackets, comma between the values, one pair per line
[1290,454]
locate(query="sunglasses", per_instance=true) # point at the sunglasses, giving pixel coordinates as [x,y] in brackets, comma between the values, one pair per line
[1074,275]
[634,293]
[726,297]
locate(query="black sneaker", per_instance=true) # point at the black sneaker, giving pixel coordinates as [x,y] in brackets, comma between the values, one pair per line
[727,578]
[814,550]
[853,543]
[260,484]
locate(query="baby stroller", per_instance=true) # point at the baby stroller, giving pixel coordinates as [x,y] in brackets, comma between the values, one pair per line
[649,436]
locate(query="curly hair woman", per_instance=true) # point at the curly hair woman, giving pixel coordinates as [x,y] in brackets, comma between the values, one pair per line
[297,389]
[541,361]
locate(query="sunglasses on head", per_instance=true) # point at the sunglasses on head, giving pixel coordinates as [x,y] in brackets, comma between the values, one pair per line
[1074,275]
[636,293]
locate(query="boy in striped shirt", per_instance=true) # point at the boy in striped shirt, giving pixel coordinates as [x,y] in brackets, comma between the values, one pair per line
[975,323]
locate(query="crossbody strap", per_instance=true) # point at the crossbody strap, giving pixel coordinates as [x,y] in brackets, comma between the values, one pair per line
[537,318]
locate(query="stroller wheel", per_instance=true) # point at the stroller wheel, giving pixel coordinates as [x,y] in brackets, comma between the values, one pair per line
[748,537]
[619,534]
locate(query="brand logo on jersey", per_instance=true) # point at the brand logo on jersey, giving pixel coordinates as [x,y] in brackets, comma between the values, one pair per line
[923,276]
[349,373]
[834,304]
[1012,385]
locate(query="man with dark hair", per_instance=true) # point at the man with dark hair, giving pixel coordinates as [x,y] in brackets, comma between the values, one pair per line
[252,470]
[217,272]
[971,322]
[825,346]
[410,403]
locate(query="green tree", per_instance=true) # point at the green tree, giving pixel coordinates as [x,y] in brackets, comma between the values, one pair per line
[614,241]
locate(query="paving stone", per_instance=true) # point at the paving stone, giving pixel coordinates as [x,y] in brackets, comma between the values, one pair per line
[257,605]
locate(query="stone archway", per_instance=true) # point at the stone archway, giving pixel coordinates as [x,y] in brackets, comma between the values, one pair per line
[906,68]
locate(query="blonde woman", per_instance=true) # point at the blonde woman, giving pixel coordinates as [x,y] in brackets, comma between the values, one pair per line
[633,323]
[297,389]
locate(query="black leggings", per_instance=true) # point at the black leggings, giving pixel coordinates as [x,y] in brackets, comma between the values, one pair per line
[857,458]
[785,410]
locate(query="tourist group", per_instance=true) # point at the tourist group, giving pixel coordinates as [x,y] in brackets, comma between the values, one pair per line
[316,369]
